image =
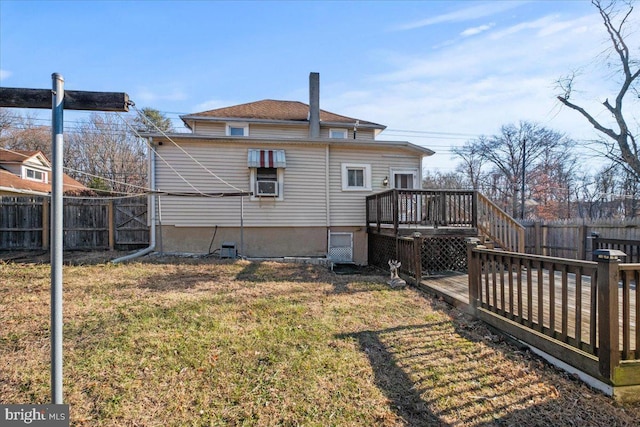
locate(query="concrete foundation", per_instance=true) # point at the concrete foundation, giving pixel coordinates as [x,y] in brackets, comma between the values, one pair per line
[258,242]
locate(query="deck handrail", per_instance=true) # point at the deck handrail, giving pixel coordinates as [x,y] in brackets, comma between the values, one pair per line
[584,313]
[436,208]
[499,226]
[445,208]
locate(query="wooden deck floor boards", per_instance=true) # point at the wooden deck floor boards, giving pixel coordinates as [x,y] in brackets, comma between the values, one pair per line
[455,288]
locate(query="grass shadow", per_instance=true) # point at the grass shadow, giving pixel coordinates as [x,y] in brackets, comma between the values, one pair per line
[176,281]
[403,393]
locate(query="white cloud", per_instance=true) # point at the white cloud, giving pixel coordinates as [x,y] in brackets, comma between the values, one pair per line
[481,83]
[476,30]
[461,15]
[4,74]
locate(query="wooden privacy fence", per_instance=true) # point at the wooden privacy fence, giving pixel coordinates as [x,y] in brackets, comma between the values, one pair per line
[583,313]
[574,239]
[88,223]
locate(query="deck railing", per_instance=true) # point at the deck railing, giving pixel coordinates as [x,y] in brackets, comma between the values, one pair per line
[398,208]
[584,313]
[631,248]
[434,208]
[499,226]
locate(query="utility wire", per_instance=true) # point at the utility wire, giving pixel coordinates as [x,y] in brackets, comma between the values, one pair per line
[186,153]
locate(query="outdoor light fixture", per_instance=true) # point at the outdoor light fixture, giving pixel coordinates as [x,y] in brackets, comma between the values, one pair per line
[609,254]
[385,181]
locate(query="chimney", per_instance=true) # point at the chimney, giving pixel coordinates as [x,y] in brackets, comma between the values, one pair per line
[314,105]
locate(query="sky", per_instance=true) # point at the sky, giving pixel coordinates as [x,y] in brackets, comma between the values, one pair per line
[436,73]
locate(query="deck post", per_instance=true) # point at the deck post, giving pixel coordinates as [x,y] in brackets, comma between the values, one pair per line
[378,211]
[395,211]
[473,268]
[608,311]
[417,256]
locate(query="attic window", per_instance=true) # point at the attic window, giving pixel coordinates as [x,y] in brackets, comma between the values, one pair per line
[35,175]
[237,129]
[338,133]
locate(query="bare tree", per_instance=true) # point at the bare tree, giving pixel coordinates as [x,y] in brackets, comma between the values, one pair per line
[472,162]
[615,20]
[104,155]
[444,181]
[23,133]
[510,156]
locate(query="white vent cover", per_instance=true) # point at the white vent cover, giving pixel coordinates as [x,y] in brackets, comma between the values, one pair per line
[341,247]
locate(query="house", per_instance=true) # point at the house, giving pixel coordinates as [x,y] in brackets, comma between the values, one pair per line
[275,179]
[28,173]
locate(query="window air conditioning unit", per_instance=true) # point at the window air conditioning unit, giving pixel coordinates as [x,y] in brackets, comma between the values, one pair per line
[267,188]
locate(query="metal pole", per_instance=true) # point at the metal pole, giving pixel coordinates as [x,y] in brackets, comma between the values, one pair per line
[242,225]
[56,237]
[524,155]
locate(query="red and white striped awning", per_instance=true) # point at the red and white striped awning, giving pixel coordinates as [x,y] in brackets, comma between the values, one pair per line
[266,159]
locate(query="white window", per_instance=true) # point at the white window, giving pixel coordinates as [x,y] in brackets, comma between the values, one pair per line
[237,129]
[356,177]
[267,183]
[266,171]
[35,175]
[338,133]
[405,178]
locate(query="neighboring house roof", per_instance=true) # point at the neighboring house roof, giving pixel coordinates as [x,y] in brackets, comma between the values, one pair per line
[12,183]
[21,156]
[278,111]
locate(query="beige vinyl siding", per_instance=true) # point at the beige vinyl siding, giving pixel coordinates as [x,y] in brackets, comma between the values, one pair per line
[256,130]
[348,207]
[304,186]
[361,134]
[263,130]
[210,128]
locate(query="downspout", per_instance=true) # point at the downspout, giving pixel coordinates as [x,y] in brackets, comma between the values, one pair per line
[327,195]
[152,205]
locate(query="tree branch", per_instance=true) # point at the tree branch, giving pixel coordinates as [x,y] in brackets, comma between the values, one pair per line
[609,132]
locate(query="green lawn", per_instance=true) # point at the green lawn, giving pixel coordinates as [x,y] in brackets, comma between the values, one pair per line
[200,343]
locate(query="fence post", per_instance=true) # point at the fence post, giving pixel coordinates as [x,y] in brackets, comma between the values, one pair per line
[473,271]
[582,250]
[608,323]
[537,237]
[45,223]
[112,225]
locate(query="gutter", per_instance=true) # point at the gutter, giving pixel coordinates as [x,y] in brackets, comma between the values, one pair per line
[152,204]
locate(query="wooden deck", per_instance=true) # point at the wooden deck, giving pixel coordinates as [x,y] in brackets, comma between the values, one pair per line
[454,289]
